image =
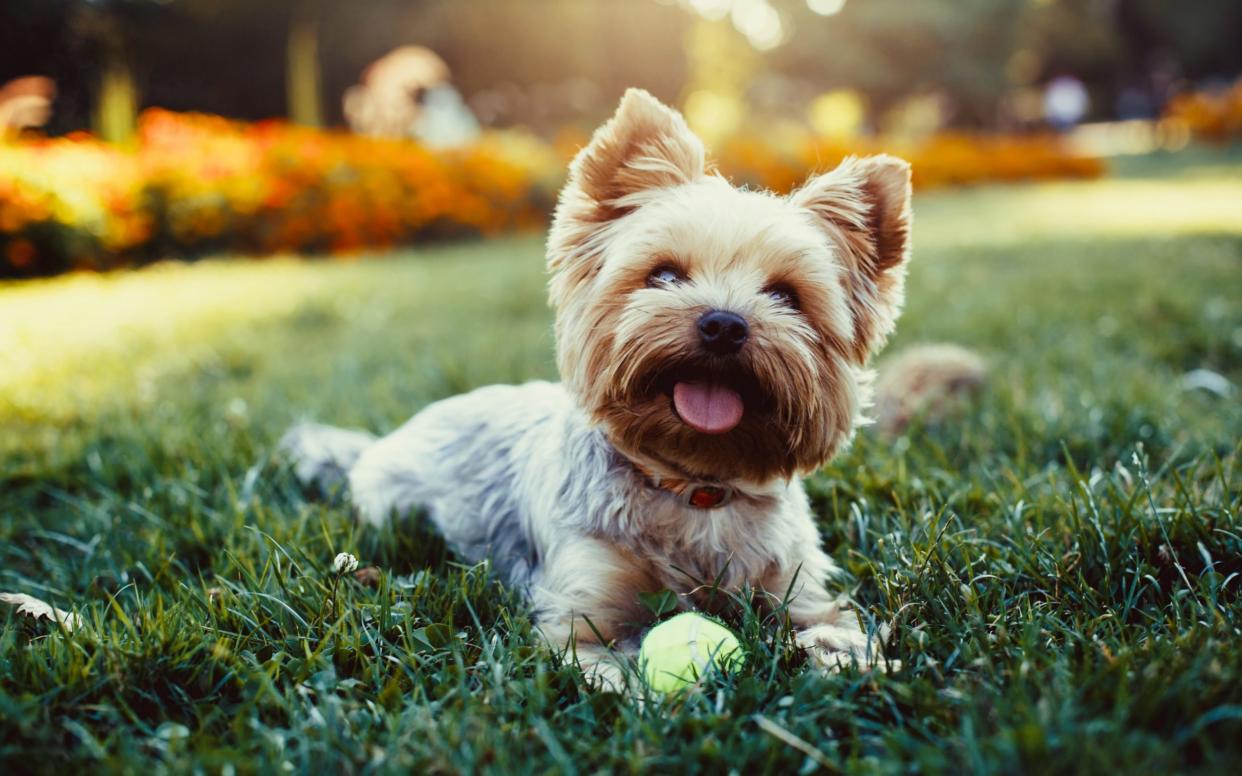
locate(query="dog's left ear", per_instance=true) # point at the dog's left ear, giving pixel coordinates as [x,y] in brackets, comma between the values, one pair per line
[864,207]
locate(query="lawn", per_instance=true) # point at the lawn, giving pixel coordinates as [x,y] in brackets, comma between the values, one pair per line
[1061,565]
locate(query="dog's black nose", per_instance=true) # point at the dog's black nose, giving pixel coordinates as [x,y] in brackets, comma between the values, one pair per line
[723,333]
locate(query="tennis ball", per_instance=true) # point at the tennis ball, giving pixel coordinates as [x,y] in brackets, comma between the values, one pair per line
[675,653]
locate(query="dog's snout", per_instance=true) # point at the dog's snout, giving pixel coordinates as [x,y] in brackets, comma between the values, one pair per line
[723,333]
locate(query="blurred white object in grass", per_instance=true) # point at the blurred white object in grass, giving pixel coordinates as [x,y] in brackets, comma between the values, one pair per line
[1207,380]
[345,563]
[29,605]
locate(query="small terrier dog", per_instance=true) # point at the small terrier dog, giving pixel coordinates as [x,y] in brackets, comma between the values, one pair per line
[713,344]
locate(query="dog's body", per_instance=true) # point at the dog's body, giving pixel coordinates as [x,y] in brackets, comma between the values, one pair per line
[713,344]
[520,476]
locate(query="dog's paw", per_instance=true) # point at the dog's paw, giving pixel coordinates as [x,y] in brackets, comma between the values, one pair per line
[606,670]
[606,676]
[842,645]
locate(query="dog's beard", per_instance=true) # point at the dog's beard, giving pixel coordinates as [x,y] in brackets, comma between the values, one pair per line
[796,409]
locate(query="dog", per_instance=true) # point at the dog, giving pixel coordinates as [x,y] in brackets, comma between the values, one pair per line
[713,344]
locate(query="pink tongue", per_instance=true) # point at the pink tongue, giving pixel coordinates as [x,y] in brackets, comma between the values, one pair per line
[712,409]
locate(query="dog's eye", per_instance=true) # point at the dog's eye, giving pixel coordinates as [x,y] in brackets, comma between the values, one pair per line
[665,275]
[782,295]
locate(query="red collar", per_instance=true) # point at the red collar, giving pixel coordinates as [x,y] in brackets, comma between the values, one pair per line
[697,496]
[708,496]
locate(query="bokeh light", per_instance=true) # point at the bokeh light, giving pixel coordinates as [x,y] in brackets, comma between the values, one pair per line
[826,7]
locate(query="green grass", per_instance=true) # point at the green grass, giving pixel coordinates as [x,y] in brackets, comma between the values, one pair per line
[1061,564]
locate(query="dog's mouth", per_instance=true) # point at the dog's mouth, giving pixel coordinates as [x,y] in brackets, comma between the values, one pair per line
[711,399]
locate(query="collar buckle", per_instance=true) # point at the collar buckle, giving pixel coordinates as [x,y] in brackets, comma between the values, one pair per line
[708,497]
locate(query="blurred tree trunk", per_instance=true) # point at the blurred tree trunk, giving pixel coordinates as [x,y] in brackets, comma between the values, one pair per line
[302,75]
[116,109]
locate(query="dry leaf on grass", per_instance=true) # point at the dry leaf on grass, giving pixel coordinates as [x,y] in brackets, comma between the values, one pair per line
[32,606]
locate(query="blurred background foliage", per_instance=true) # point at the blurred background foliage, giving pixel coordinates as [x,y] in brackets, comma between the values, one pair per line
[230,56]
[115,149]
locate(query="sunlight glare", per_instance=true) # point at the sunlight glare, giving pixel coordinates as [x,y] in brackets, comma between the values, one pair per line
[826,7]
[759,22]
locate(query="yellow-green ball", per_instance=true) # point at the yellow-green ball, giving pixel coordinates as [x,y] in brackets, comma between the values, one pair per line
[677,652]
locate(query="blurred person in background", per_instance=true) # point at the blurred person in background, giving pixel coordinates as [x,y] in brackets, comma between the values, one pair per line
[25,103]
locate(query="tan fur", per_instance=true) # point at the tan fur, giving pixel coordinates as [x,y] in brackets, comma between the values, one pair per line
[864,206]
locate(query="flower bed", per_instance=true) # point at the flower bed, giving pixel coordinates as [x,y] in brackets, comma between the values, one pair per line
[1215,116]
[199,184]
[196,184]
[941,160]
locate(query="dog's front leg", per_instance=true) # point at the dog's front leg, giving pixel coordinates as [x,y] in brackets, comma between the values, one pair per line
[828,627]
[585,597]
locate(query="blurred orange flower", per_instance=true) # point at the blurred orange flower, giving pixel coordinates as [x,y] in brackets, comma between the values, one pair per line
[198,183]
[1211,115]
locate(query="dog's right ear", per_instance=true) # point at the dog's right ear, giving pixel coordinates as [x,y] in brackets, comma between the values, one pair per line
[644,147]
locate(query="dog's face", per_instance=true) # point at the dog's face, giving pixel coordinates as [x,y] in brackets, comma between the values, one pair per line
[721,333]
